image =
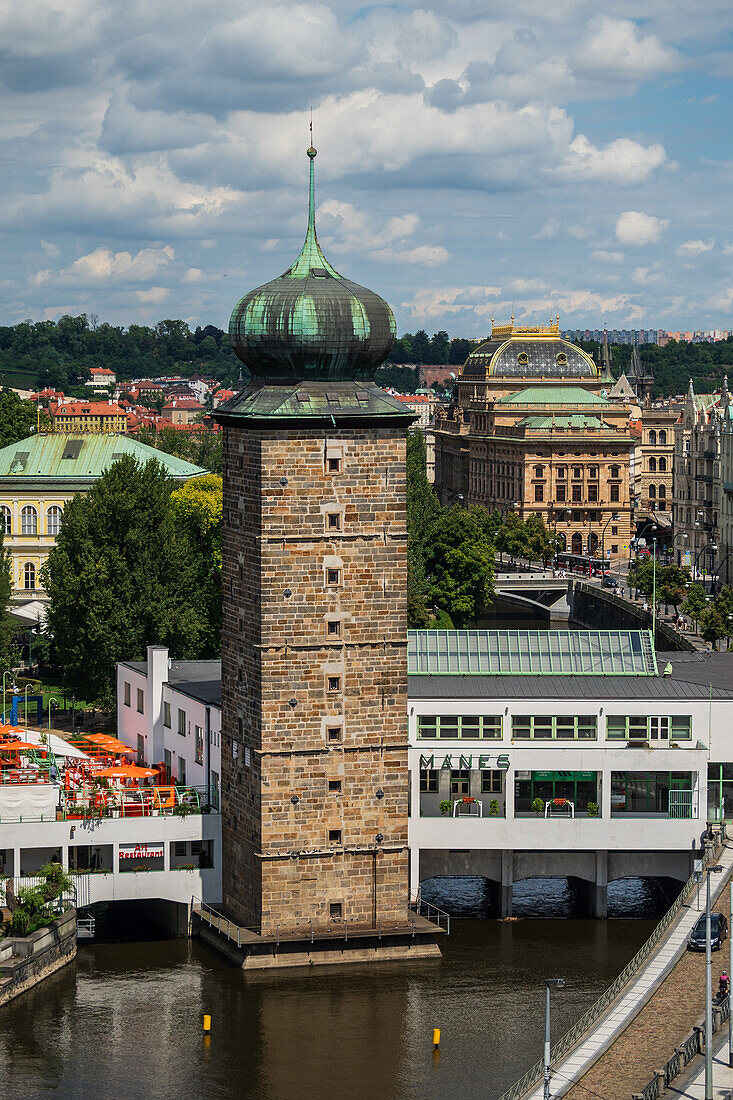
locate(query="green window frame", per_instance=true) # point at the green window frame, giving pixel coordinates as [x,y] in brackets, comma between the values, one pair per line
[491,781]
[649,727]
[456,727]
[554,727]
[429,781]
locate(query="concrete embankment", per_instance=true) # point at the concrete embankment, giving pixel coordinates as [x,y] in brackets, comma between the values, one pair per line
[27,960]
[598,608]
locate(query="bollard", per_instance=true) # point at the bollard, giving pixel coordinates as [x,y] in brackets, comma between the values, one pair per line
[436,1037]
[207,1024]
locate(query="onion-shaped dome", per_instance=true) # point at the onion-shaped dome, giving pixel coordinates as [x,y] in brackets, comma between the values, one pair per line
[311,322]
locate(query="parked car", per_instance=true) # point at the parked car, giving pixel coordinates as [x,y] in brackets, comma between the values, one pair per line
[718,933]
[609,581]
[643,553]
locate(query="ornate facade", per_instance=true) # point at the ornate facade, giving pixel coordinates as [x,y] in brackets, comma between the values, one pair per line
[532,431]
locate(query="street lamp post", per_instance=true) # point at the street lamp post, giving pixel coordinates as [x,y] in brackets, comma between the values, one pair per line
[11,675]
[654,590]
[53,699]
[611,518]
[709,991]
[558,983]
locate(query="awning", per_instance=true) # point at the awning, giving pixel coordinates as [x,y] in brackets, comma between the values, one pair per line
[32,613]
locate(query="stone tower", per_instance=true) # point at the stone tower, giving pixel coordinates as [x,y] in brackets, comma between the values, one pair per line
[314,645]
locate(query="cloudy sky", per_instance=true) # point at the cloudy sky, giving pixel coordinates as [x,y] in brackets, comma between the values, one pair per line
[474,157]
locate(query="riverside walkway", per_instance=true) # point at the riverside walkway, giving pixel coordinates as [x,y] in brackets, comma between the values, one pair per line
[652,1012]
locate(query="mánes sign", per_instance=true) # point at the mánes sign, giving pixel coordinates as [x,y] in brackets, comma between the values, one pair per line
[141,851]
[465,763]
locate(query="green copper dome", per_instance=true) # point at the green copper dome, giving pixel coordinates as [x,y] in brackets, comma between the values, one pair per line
[311,322]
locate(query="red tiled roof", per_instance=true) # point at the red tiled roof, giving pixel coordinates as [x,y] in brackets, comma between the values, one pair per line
[87,408]
[101,370]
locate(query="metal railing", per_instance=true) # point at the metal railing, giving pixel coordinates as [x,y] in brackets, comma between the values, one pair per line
[430,912]
[217,920]
[67,900]
[693,1044]
[534,1075]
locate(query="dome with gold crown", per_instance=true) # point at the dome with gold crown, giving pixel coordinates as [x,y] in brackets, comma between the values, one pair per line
[529,352]
[311,322]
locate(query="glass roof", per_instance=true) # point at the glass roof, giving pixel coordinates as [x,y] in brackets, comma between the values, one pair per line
[530,652]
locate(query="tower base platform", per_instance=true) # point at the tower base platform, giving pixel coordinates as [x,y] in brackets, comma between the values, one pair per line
[408,942]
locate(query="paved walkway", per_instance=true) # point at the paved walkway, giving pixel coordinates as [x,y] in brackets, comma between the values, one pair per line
[616,1020]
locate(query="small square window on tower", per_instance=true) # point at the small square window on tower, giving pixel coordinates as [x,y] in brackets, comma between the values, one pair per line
[333,576]
[334,836]
[335,910]
[333,521]
[334,786]
[333,465]
[333,628]
[334,683]
[334,733]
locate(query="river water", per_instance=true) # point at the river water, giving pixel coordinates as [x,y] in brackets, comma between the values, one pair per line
[124,1022]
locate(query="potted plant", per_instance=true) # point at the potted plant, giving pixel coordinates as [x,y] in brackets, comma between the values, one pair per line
[538,807]
[446,807]
[494,807]
[592,809]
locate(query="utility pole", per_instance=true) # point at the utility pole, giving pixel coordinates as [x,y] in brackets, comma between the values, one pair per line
[558,983]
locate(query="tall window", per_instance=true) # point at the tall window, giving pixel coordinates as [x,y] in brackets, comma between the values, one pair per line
[615,471]
[53,520]
[182,722]
[6,520]
[560,493]
[539,471]
[577,493]
[652,492]
[652,465]
[167,715]
[662,437]
[615,495]
[662,492]
[29,521]
[653,438]
[662,465]
[539,492]
[29,575]
[199,748]
[140,701]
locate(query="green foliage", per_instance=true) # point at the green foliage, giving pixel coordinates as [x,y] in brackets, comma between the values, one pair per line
[123,573]
[670,582]
[716,621]
[592,809]
[423,510]
[538,807]
[403,379]
[35,907]
[439,350]
[695,602]
[17,418]
[676,363]
[446,807]
[494,807]
[460,562]
[61,353]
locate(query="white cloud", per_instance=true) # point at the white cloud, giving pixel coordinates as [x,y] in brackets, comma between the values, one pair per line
[617,48]
[428,255]
[604,257]
[51,250]
[623,161]
[153,294]
[647,276]
[194,275]
[636,228]
[103,265]
[549,230]
[695,248]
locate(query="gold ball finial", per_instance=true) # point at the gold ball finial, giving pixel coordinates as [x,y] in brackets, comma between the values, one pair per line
[312,152]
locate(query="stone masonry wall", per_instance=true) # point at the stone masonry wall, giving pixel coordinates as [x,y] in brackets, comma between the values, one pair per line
[314,749]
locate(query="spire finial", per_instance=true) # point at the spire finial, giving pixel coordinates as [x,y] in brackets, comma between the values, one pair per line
[311,151]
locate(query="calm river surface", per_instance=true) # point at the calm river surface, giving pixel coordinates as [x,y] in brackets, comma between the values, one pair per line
[124,1021]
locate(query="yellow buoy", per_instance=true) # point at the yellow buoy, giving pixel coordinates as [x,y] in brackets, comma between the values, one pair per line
[436,1037]
[207,1023]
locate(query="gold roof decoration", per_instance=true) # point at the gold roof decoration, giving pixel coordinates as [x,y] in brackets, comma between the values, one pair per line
[535,331]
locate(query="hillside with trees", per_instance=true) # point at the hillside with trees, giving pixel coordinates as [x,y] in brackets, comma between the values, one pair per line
[676,363]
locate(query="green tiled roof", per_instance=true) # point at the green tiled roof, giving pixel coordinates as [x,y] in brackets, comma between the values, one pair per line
[531,653]
[553,395]
[82,457]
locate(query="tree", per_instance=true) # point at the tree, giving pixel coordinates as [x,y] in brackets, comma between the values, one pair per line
[695,603]
[122,575]
[17,418]
[540,544]
[460,563]
[642,576]
[714,625]
[197,510]
[423,509]
[672,581]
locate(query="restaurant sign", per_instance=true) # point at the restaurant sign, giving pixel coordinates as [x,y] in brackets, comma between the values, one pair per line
[141,851]
[465,763]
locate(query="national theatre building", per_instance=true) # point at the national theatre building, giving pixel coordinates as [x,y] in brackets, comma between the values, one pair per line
[531,430]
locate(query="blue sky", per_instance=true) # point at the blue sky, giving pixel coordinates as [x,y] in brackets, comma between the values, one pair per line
[474,157]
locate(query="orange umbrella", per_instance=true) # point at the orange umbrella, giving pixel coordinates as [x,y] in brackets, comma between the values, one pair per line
[126,771]
[15,746]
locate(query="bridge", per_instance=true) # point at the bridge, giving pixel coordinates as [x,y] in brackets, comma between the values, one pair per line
[547,596]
